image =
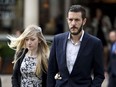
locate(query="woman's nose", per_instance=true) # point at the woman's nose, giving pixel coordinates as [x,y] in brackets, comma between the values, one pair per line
[29,41]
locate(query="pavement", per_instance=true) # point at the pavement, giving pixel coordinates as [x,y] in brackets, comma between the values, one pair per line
[6,81]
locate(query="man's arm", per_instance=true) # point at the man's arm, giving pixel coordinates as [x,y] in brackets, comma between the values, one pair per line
[98,70]
[52,66]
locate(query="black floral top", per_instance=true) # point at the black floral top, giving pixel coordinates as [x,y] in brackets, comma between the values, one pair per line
[28,68]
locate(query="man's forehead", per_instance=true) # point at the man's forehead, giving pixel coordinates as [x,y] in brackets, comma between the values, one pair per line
[74,14]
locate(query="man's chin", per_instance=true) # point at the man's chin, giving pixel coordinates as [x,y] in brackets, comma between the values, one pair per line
[73,33]
[76,32]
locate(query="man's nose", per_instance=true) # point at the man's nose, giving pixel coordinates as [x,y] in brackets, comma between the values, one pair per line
[73,22]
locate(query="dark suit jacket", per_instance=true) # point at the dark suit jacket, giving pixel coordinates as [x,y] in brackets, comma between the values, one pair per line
[16,76]
[89,58]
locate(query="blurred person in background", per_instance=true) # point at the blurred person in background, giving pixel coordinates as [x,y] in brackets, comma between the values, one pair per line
[18,32]
[31,58]
[101,26]
[75,55]
[112,60]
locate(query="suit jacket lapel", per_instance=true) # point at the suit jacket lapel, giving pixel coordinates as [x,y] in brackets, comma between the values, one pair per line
[64,51]
[83,44]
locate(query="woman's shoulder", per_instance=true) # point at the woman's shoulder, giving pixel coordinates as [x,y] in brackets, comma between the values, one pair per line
[21,52]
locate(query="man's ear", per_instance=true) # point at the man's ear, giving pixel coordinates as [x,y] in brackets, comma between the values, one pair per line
[84,21]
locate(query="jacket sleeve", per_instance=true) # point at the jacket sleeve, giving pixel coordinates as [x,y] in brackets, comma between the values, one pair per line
[52,66]
[44,78]
[16,75]
[98,70]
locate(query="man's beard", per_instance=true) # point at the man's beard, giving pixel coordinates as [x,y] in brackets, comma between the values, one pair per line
[76,33]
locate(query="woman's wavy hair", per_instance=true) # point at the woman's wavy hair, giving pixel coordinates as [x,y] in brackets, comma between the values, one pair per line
[17,43]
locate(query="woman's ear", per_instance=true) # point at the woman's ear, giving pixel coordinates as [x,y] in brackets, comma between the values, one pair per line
[39,41]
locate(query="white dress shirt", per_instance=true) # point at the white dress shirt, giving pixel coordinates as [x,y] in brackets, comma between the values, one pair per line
[72,51]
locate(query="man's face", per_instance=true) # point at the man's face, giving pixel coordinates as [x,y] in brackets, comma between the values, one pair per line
[75,22]
[112,36]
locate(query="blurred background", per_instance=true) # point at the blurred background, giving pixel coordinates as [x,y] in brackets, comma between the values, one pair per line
[50,15]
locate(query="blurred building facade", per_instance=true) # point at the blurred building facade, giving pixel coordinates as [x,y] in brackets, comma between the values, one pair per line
[48,14]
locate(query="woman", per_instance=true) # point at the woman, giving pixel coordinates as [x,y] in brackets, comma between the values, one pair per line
[30,63]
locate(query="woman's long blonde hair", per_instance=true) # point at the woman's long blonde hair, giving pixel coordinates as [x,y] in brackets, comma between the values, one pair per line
[43,51]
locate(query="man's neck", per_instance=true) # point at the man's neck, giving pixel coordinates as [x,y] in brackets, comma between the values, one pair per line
[76,38]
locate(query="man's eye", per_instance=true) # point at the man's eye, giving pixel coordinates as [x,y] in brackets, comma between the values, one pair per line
[70,19]
[76,19]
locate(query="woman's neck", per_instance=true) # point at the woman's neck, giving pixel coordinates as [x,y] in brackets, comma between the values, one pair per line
[32,53]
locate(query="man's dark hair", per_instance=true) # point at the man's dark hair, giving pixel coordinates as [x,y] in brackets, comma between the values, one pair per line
[78,8]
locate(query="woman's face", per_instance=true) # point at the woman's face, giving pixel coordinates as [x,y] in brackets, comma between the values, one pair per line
[32,42]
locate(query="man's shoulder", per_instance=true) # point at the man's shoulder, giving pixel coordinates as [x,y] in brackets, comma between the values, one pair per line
[61,35]
[92,37]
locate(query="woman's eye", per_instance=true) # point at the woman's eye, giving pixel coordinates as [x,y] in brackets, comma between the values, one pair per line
[26,39]
[32,39]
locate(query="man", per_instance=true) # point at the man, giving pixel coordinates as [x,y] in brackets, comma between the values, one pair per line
[112,60]
[112,36]
[75,55]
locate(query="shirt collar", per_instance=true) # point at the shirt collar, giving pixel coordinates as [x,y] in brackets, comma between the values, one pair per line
[69,36]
